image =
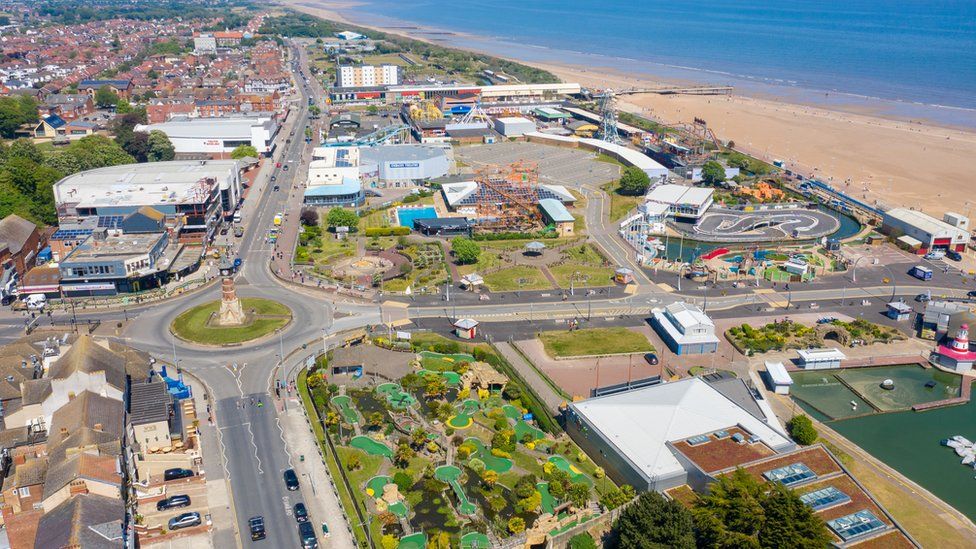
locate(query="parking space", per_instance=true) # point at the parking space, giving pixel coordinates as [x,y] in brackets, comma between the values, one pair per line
[197,492]
[557,165]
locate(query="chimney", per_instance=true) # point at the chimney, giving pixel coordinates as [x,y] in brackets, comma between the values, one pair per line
[98,427]
[20,459]
[64,433]
[78,488]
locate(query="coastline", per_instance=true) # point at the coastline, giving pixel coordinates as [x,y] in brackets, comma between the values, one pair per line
[877,158]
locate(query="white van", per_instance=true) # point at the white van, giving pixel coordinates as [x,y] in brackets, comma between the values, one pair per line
[36,301]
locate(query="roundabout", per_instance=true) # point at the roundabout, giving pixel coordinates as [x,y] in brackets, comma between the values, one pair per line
[200,324]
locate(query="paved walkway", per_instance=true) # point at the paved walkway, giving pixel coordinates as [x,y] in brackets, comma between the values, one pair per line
[324,505]
[531,376]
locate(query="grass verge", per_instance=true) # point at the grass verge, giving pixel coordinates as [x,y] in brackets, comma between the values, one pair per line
[620,204]
[594,341]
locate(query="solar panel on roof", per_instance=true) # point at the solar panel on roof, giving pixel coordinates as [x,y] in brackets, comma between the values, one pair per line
[824,498]
[110,221]
[856,524]
[790,474]
[700,439]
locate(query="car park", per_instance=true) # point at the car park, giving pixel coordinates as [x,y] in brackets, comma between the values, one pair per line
[176,474]
[307,534]
[173,502]
[185,520]
[256,526]
[301,513]
[291,480]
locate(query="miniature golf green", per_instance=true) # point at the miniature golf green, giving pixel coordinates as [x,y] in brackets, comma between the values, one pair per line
[371,447]
[575,474]
[495,463]
[452,378]
[399,509]
[374,487]
[344,404]
[548,501]
[521,426]
[475,540]
[451,475]
[417,540]
[195,324]
[470,406]
[438,362]
[460,421]
[396,396]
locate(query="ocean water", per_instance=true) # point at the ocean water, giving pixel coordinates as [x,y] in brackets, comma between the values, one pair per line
[910,58]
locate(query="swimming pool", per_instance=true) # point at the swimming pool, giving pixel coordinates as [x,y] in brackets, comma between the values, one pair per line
[407,215]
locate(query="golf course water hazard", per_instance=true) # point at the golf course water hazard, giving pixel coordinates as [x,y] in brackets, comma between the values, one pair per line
[905,440]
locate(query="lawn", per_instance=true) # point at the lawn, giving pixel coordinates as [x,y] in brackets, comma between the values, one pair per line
[620,204]
[517,278]
[594,341]
[191,325]
[586,275]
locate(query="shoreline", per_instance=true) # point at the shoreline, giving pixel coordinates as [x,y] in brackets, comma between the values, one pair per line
[883,160]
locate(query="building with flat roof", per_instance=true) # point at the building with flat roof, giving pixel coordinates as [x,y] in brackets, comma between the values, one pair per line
[685,329]
[633,435]
[197,193]
[359,76]
[931,233]
[443,226]
[820,359]
[217,136]
[514,126]
[387,163]
[779,379]
[107,264]
[683,202]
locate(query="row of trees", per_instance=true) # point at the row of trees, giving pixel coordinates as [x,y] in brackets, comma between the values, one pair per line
[739,511]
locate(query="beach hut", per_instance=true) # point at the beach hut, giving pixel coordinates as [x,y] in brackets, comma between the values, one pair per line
[899,310]
[534,248]
[466,328]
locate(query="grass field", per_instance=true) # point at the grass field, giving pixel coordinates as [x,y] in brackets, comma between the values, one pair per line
[594,341]
[507,280]
[620,204]
[588,275]
[192,323]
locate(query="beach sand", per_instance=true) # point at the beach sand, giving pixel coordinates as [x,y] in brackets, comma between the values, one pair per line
[878,160]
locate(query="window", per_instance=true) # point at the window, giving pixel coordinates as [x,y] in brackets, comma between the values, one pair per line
[24,491]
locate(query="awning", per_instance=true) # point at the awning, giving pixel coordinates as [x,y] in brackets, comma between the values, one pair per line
[909,241]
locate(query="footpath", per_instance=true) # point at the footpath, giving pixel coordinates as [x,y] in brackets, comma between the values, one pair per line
[531,376]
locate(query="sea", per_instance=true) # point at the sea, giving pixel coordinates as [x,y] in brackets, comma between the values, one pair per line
[910,59]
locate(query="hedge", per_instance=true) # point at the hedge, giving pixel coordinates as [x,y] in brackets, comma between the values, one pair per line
[387,231]
[529,398]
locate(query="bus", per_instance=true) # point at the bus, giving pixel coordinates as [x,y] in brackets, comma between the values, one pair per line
[921,272]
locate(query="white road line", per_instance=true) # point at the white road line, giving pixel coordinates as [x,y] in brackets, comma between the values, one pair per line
[260,470]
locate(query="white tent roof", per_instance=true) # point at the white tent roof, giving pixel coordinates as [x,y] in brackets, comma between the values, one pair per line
[639,423]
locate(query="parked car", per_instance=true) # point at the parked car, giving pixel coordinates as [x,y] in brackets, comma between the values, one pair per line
[173,502]
[176,473]
[651,359]
[971,293]
[286,167]
[238,231]
[223,231]
[301,513]
[307,534]
[935,254]
[256,526]
[291,480]
[276,188]
[954,255]
[185,520]
[923,298]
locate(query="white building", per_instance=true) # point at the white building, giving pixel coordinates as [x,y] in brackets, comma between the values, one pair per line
[514,126]
[218,136]
[388,163]
[930,232]
[333,165]
[685,329]
[684,202]
[365,76]
[204,44]
[639,230]
[820,359]
[632,434]
[779,378]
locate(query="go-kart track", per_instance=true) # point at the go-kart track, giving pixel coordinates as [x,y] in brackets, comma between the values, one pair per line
[766,225]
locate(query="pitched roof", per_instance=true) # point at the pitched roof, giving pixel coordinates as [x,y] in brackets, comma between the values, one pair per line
[87,410]
[149,402]
[78,522]
[81,466]
[22,527]
[54,121]
[87,356]
[15,231]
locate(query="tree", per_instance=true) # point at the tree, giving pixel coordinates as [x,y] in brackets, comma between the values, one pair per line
[582,541]
[25,148]
[340,217]
[389,541]
[712,173]
[418,437]
[88,153]
[617,496]
[161,149]
[466,251]
[653,521]
[579,494]
[489,477]
[435,386]
[790,523]
[634,181]
[105,97]
[136,144]
[738,160]
[123,107]
[243,151]
[403,480]
[516,525]
[802,430]
[403,454]
[309,217]
[375,420]
[15,112]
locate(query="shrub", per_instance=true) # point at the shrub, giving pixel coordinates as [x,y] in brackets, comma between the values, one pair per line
[387,231]
[802,430]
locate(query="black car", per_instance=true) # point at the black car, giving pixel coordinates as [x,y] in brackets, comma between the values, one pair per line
[177,473]
[291,480]
[307,534]
[274,178]
[971,293]
[954,255]
[256,525]
[223,230]
[173,502]
[651,359]
[301,513]
[286,167]
[276,188]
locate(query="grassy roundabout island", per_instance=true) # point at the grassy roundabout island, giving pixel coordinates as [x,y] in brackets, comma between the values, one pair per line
[199,325]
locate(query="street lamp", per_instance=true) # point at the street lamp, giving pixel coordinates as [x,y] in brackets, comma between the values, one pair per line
[681,268]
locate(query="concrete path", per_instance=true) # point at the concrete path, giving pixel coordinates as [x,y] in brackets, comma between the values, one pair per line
[531,376]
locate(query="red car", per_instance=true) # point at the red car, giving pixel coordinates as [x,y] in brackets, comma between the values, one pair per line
[278,165]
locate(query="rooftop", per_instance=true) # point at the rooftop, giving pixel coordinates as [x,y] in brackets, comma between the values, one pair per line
[827,353]
[114,247]
[211,128]
[923,221]
[149,403]
[398,153]
[680,195]
[555,210]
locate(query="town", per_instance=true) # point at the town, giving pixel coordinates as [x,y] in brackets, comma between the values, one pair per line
[274,280]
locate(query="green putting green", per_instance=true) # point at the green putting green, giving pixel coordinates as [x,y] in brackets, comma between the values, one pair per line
[470,406]
[475,540]
[396,396]
[438,362]
[548,501]
[575,474]
[399,509]
[460,421]
[417,540]
[371,447]
[374,487]
[451,475]
[497,464]
[453,379]
[521,426]
[344,405]
[511,412]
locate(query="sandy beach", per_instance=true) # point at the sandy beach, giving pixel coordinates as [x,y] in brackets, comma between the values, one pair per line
[879,160]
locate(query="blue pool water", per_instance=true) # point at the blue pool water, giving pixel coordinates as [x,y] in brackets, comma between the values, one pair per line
[407,215]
